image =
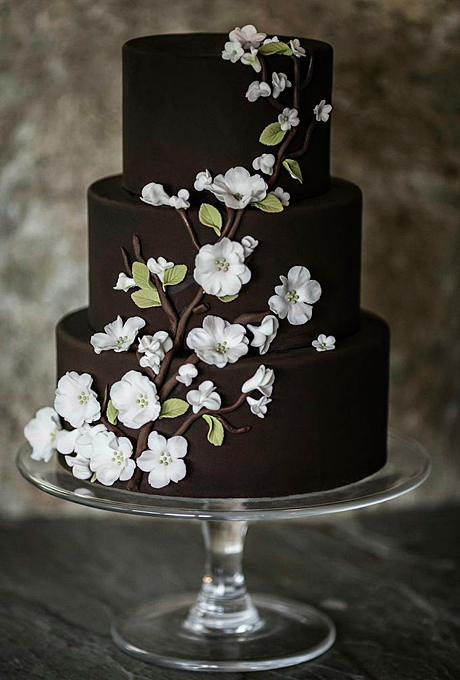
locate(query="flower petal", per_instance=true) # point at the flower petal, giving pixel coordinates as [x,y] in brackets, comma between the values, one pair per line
[156,442]
[159,477]
[128,470]
[177,446]
[297,276]
[279,305]
[148,460]
[177,470]
[299,313]
[107,475]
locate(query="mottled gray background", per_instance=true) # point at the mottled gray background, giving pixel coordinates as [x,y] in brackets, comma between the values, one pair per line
[396,133]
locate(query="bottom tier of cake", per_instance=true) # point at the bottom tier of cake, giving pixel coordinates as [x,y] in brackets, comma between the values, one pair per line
[325,427]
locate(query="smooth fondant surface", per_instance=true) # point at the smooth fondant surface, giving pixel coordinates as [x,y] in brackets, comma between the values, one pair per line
[326,425]
[323,234]
[185,110]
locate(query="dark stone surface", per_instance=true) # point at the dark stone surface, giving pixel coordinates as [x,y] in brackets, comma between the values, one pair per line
[389,580]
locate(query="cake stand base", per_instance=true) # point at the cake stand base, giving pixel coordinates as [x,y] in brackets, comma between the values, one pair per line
[223,628]
[288,633]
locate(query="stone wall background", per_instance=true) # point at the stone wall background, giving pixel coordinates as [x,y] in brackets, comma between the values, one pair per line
[395,132]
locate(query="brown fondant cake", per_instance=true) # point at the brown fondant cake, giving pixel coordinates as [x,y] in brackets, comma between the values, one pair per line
[223,353]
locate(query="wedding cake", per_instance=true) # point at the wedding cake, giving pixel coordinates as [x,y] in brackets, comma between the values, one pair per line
[223,352]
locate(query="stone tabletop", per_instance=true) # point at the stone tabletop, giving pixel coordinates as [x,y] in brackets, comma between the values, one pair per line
[390,580]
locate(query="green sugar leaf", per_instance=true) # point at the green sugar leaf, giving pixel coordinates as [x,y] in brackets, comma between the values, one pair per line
[210,217]
[272,135]
[112,413]
[270,204]
[275,48]
[141,275]
[173,408]
[145,298]
[293,169]
[216,430]
[174,275]
[228,298]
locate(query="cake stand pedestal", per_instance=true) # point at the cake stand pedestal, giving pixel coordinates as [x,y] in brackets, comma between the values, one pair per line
[224,628]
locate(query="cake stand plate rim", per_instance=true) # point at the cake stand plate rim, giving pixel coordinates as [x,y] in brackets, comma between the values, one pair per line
[407,467]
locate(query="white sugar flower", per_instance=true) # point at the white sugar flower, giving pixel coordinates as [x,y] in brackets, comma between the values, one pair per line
[84,440]
[256,90]
[204,397]
[159,266]
[136,400]
[270,40]
[324,343]
[265,333]
[233,51]
[258,406]
[279,83]
[124,282]
[322,111]
[181,200]
[283,196]
[238,187]
[295,296]
[262,380]
[66,440]
[220,269]
[247,36]
[218,342]
[289,118]
[117,335]
[252,59]
[75,400]
[154,347]
[264,163]
[203,180]
[80,442]
[163,460]
[111,458]
[297,49]
[154,194]
[249,245]
[41,433]
[79,466]
[186,374]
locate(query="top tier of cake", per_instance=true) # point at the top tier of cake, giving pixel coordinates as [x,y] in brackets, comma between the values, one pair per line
[185,110]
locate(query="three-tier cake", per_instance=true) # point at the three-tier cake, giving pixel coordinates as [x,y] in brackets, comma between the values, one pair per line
[224,352]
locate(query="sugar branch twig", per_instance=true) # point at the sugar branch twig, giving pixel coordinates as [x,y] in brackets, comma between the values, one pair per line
[226,409]
[188,225]
[284,146]
[251,317]
[310,69]
[171,383]
[264,76]
[164,298]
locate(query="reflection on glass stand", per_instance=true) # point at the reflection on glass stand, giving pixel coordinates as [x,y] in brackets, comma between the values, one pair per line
[224,628]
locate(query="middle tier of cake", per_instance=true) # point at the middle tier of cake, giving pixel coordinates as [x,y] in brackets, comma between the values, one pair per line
[325,427]
[321,233]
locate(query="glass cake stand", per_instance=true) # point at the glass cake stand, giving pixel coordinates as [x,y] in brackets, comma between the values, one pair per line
[224,628]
